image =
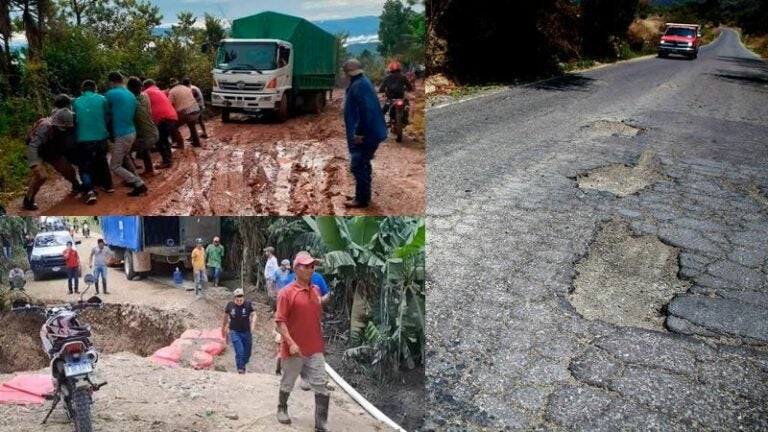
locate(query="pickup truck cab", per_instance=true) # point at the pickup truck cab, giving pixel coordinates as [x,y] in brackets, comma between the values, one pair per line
[683,39]
[47,256]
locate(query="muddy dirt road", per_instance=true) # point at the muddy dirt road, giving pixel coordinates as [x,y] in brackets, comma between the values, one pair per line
[140,317]
[252,166]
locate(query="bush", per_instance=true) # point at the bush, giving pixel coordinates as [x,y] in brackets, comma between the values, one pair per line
[13,167]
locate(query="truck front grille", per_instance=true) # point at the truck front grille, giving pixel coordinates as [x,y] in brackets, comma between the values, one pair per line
[245,87]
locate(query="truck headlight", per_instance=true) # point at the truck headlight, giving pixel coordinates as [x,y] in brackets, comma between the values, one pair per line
[690,44]
[34,257]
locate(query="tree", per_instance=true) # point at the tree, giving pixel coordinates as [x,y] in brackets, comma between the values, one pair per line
[5,49]
[394,28]
[603,22]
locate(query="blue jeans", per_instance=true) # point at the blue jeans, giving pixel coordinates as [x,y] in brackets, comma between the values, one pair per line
[73,274]
[199,280]
[216,274]
[360,165]
[7,252]
[100,270]
[242,343]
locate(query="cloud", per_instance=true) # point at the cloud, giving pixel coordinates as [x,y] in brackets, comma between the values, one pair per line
[362,39]
[341,4]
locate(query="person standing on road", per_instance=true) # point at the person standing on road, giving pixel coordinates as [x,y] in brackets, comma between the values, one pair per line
[186,108]
[72,261]
[29,244]
[200,103]
[166,119]
[366,129]
[214,256]
[242,321]
[270,268]
[146,130]
[299,312]
[198,266]
[122,105]
[98,262]
[47,142]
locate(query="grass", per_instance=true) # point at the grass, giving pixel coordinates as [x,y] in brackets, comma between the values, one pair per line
[758,44]
[14,171]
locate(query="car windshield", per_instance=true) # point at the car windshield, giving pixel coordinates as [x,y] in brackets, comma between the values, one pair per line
[680,31]
[247,56]
[52,240]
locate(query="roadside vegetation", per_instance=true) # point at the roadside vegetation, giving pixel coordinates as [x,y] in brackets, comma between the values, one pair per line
[556,36]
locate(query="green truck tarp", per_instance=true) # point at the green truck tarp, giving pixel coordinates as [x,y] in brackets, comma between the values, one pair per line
[314,49]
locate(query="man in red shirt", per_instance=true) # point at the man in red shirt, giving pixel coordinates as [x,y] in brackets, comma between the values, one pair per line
[166,119]
[299,312]
[72,261]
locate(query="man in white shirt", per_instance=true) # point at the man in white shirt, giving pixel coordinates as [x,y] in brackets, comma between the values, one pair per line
[270,269]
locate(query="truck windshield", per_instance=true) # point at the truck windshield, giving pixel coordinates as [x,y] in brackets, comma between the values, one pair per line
[52,240]
[247,56]
[680,31]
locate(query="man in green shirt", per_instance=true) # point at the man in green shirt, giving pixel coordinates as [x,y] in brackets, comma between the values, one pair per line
[91,114]
[214,254]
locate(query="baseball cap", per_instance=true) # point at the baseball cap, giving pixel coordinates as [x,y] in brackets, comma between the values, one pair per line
[238,292]
[198,240]
[285,262]
[304,258]
[269,249]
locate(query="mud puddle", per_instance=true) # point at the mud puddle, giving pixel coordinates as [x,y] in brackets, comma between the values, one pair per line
[626,280]
[623,180]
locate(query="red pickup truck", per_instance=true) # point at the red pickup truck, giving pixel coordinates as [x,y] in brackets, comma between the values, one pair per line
[683,39]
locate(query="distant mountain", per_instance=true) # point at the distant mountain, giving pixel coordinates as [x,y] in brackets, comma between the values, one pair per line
[355,27]
[357,49]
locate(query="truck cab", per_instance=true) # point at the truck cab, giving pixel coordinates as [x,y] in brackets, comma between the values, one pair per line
[682,39]
[252,75]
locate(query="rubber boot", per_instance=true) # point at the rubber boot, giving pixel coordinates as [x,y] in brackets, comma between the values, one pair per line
[321,412]
[282,409]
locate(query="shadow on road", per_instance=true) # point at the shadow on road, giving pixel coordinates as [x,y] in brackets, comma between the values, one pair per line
[564,83]
[748,78]
[745,61]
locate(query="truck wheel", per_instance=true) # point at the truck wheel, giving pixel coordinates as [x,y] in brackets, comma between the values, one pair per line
[225,115]
[316,102]
[37,276]
[662,55]
[130,273]
[283,111]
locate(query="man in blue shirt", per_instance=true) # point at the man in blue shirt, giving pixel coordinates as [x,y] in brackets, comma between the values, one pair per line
[366,129]
[122,105]
[283,275]
[317,279]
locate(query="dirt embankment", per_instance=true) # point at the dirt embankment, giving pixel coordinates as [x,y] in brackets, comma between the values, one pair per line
[253,166]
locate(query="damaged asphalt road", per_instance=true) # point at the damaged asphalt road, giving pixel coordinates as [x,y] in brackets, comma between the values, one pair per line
[509,225]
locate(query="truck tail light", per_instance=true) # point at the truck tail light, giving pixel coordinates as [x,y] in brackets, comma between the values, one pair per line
[272,83]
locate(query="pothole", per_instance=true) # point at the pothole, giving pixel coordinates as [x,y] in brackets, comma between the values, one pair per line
[612,128]
[622,180]
[626,280]
[115,328]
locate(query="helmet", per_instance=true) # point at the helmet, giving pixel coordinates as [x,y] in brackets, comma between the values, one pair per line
[394,66]
[89,279]
[64,324]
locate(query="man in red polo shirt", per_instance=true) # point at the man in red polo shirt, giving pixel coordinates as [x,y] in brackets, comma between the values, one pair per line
[72,261]
[299,312]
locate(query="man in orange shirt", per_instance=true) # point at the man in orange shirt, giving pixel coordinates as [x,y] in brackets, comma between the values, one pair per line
[299,313]
[72,261]
[198,267]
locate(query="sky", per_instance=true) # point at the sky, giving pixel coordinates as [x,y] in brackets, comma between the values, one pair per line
[312,10]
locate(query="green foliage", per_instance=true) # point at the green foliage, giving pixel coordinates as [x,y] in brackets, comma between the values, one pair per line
[402,32]
[13,167]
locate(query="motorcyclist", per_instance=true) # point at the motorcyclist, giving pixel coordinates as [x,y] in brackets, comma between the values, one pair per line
[395,86]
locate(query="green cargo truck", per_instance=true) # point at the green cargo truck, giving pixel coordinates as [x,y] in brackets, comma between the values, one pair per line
[274,62]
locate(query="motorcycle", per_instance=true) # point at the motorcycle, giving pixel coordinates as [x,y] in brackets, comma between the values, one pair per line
[398,110]
[73,356]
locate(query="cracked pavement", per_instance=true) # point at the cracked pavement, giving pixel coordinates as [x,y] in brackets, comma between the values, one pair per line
[508,222]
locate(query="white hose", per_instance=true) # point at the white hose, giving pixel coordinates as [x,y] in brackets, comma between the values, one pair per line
[372,410]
